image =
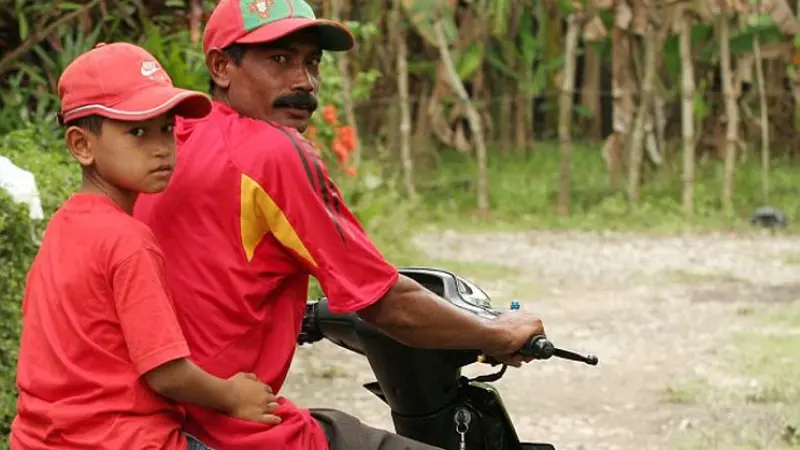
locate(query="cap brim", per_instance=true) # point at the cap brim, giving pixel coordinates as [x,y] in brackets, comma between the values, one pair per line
[332,35]
[149,103]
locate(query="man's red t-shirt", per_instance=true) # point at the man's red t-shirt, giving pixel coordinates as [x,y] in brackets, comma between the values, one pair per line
[249,213]
[96,316]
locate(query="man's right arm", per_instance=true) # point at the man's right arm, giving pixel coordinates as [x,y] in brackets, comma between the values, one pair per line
[417,317]
[289,188]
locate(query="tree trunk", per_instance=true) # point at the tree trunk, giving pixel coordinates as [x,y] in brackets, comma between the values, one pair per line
[521,119]
[401,53]
[643,116]
[195,17]
[565,114]
[764,121]
[472,116]
[731,111]
[622,96]
[343,62]
[590,96]
[687,109]
[422,128]
[504,128]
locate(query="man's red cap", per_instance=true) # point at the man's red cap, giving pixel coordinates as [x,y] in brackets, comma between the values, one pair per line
[258,21]
[123,81]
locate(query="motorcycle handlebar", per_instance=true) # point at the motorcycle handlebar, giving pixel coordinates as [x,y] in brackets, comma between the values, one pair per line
[539,347]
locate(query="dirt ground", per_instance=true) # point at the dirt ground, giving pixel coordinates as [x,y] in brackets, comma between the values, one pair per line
[655,310]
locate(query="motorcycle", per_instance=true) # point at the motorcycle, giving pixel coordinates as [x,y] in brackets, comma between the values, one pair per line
[429,398]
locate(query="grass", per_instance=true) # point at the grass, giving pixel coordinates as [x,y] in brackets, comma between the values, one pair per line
[791,258]
[688,276]
[523,190]
[767,413]
[688,392]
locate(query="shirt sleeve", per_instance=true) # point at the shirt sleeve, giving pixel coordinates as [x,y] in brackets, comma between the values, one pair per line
[146,313]
[302,207]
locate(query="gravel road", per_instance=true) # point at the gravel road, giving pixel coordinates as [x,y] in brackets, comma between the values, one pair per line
[656,310]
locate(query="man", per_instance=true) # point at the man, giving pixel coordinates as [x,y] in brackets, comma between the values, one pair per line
[251,212]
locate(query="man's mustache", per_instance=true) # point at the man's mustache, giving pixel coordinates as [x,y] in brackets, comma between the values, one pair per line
[302,100]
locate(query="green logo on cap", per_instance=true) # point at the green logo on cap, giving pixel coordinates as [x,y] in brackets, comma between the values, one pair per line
[259,12]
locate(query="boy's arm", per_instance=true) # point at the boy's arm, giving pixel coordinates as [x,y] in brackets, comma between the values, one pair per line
[183,381]
[159,351]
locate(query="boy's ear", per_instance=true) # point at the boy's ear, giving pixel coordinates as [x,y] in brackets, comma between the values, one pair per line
[80,145]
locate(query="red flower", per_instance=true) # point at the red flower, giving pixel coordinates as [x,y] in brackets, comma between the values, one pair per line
[329,114]
[311,133]
[347,135]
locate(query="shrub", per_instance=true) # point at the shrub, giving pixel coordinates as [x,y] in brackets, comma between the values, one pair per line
[16,253]
[40,150]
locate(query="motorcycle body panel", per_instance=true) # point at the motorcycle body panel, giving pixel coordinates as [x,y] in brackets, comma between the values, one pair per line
[424,388]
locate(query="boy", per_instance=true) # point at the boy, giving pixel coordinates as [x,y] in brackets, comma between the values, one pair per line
[100,337]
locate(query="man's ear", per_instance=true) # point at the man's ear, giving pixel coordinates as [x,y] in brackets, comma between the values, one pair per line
[80,145]
[218,63]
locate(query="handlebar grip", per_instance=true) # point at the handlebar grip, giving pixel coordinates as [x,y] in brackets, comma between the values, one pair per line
[538,347]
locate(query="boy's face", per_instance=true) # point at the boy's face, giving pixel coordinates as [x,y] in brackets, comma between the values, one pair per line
[130,156]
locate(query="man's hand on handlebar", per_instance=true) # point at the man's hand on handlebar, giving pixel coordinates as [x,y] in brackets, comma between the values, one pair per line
[517,327]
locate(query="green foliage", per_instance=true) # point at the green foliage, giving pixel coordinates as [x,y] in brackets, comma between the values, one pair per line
[324,128]
[16,253]
[513,59]
[423,15]
[182,60]
[39,150]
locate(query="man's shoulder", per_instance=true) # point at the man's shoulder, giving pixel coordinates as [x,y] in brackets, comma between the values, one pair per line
[268,146]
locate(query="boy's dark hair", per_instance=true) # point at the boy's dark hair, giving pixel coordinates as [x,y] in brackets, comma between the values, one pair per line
[236,54]
[93,123]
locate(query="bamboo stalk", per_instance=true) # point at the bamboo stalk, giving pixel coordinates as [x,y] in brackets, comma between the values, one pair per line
[762,97]
[401,55]
[731,112]
[645,105]
[472,116]
[687,110]
[565,114]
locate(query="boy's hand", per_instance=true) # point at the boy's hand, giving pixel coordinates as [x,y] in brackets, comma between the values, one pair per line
[252,399]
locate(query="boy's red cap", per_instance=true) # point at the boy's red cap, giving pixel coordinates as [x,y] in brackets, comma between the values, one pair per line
[123,81]
[257,21]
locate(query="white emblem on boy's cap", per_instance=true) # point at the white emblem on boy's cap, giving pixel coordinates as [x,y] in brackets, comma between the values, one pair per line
[149,68]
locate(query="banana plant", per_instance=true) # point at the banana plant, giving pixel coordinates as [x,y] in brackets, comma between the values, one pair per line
[182,59]
[423,15]
[516,60]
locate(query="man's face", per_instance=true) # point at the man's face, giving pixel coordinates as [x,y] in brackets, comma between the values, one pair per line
[277,81]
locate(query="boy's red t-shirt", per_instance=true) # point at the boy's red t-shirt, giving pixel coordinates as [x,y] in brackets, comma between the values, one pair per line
[96,316]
